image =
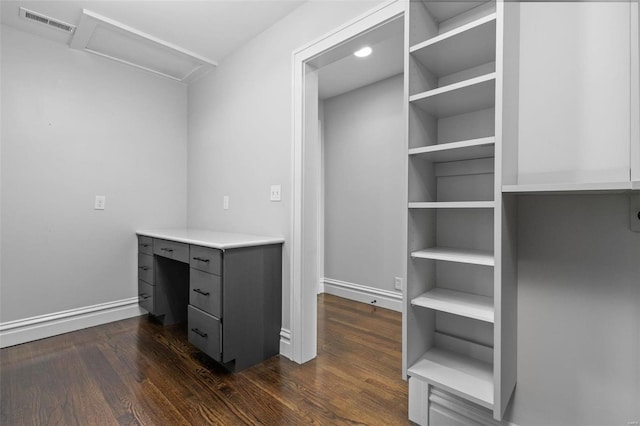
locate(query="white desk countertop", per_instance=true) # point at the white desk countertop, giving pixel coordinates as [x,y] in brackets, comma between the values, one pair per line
[207,238]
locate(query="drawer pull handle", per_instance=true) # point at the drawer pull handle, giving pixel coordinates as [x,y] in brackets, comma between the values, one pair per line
[166,249]
[204,293]
[144,268]
[144,245]
[199,333]
[144,296]
[201,259]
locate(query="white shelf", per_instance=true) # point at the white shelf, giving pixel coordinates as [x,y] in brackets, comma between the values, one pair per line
[462,48]
[452,205]
[476,257]
[458,374]
[458,303]
[444,11]
[469,95]
[560,188]
[456,151]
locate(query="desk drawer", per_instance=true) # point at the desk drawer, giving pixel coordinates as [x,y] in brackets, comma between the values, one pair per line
[204,332]
[145,268]
[205,292]
[206,259]
[146,293]
[171,249]
[145,245]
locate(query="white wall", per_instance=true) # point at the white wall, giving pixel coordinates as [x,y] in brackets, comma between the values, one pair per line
[75,126]
[364,171]
[240,122]
[578,312]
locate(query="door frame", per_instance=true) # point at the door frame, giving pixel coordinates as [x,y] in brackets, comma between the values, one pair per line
[306,200]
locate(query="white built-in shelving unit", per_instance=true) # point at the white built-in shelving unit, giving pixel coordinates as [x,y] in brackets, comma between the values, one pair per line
[497,108]
[460,312]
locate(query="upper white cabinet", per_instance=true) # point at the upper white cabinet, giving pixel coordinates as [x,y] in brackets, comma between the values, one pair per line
[578,98]
[635,94]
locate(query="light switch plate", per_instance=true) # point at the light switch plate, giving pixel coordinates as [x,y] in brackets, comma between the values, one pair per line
[276,192]
[225,202]
[100,203]
[634,212]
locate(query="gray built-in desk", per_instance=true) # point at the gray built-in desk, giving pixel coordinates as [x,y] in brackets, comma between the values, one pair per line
[228,287]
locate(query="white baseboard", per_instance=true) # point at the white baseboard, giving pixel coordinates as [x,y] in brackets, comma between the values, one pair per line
[285,343]
[40,327]
[361,293]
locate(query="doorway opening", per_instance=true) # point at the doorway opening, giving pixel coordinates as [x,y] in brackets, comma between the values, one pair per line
[313,68]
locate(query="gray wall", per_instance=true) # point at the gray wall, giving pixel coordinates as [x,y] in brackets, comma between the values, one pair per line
[578,312]
[240,118]
[363,179]
[75,126]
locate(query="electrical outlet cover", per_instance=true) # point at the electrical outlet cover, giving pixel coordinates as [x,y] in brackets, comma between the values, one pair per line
[398,283]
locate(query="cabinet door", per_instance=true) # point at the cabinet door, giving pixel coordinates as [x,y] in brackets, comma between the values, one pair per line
[575,92]
[204,332]
[205,292]
[146,293]
[145,268]
[635,94]
[171,250]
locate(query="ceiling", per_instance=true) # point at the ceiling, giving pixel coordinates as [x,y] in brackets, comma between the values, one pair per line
[348,72]
[212,29]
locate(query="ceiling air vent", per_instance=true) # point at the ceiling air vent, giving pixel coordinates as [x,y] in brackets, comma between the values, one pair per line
[43,19]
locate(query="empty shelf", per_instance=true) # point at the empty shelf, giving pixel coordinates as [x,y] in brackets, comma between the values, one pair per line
[476,257]
[458,374]
[452,205]
[560,188]
[462,48]
[458,303]
[458,98]
[456,151]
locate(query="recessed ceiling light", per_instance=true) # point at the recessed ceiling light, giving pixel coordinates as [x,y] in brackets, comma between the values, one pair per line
[364,52]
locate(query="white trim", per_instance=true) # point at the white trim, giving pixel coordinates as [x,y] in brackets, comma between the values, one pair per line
[321,203]
[365,294]
[285,343]
[418,401]
[42,326]
[303,308]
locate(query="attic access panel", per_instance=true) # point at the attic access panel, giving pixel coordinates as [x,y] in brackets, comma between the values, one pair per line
[113,40]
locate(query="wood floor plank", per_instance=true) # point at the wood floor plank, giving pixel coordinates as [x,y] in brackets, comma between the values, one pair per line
[137,372]
[79,399]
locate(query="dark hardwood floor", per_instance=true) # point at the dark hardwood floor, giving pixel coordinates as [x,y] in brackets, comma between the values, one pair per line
[137,372]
